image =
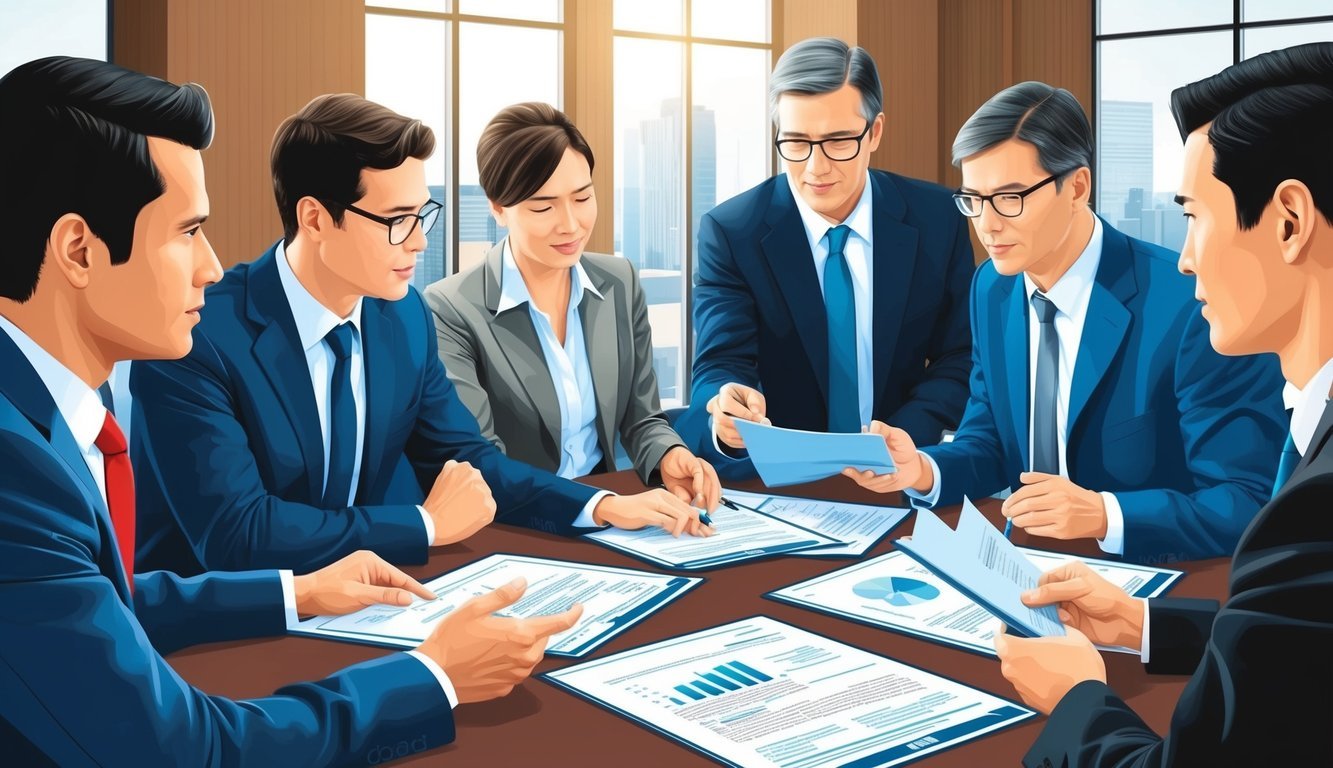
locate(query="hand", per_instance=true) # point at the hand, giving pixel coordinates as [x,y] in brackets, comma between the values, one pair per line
[736,401]
[1090,604]
[1050,505]
[913,470]
[690,478]
[657,507]
[485,656]
[460,503]
[354,582]
[1044,669]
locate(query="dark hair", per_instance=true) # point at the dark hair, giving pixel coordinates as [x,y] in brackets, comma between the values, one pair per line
[74,139]
[1270,120]
[520,149]
[823,65]
[1047,117]
[320,152]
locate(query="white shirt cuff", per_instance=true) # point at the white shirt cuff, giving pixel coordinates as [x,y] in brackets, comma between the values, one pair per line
[443,679]
[1114,543]
[289,599]
[919,500]
[1143,651]
[430,525]
[726,451]
[584,520]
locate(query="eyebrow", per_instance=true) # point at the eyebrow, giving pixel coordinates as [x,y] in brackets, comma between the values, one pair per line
[1181,199]
[832,135]
[1011,187]
[193,222]
[407,208]
[583,188]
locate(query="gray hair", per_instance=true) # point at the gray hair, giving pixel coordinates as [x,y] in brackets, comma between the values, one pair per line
[823,65]
[1049,118]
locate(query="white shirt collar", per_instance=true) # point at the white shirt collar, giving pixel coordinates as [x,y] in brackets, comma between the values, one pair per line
[313,320]
[514,290]
[1073,290]
[1307,406]
[816,226]
[79,405]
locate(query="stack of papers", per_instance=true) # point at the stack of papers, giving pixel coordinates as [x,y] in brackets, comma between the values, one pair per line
[790,456]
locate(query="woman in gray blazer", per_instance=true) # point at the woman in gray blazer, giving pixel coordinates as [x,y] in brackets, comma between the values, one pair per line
[550,347]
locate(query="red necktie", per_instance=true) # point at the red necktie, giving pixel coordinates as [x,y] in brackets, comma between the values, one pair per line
[119,491]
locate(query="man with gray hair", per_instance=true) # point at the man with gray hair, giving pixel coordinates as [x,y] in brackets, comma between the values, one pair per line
[1095,392]
[833,294]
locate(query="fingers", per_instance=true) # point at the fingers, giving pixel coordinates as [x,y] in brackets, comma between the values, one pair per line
[1056,592]
[485,605]
[372,594]
[871,481]
[385,574]
[678,514]
[545,626]
[1071,570]
[1033,478]
[712,487]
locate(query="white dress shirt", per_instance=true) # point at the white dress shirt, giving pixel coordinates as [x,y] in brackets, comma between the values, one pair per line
[1307,405]
[313,323]
[1071,295]
[571,372]
[859,254]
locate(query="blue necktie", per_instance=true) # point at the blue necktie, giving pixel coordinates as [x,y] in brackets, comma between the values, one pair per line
[1045,434]
[844,402]
[104,392]
[342,419]
[1286,465]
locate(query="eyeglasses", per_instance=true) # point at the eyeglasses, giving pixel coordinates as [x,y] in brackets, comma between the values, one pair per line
[840,149]
[1007,204]
[402,226]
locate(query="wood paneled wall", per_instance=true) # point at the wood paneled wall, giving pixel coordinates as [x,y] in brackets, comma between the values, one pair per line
[818,18]
[260,61]
[588,96]
[903,36]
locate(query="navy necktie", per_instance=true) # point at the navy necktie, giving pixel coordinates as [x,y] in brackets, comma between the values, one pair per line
[844,402]
[1045,434]
[342,419]
[1286,464]
[104,392]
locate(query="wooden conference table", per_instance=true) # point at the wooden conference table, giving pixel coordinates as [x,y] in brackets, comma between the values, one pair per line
[541,725]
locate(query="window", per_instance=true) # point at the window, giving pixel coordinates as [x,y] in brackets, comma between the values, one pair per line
[1144,50]
[715,58]
[53,28]
[453,66]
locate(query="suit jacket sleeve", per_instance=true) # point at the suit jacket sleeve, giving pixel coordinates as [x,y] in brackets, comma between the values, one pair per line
[458,353]
[644,430]
[83,683]
[214,607]
[727,344]
[937,400]
[973,464]
[1232,425]
[1260,693]
[445,429]
[190,443]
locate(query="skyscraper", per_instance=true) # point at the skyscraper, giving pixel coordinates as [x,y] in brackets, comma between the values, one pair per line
[1124,155]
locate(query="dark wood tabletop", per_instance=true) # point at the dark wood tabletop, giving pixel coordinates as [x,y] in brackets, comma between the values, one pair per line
[541,725]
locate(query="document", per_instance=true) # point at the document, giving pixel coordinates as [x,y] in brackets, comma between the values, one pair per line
[613,599]
[790,456]
[861,526]
[763,694]
[742,534]
[898,593]
[977,560]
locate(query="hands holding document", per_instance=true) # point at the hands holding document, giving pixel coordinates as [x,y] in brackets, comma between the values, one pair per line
[913,470]
[736,401]
[1051,505]
[659,508]
[1044,669]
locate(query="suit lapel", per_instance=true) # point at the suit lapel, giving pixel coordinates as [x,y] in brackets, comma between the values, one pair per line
[518,341]
[894,257]
[379,342]
[1106,324]
[1014,358]
[602,343]
[279,354]
[1320,440]
[788,252]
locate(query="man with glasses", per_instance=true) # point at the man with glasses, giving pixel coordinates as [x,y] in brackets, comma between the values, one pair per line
[833,294]
[313,414]
[1095,392]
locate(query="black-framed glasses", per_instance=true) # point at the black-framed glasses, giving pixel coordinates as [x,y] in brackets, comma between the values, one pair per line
[1007,204]
[840,149]
[401,226]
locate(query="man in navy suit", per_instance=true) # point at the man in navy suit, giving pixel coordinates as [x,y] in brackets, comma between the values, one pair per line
[313,414]
[105,260]
[1095,392]
[1257,190]
[832,294]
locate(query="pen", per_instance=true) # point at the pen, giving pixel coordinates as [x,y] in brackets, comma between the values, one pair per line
[705,519]
[1008,526]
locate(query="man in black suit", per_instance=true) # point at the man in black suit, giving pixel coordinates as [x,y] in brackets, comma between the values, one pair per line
[1258,193]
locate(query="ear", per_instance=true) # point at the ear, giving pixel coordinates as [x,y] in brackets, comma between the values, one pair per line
[1080,182]
[876,132]
[73,250]
[497,213]
[313,219]
[1295,214]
